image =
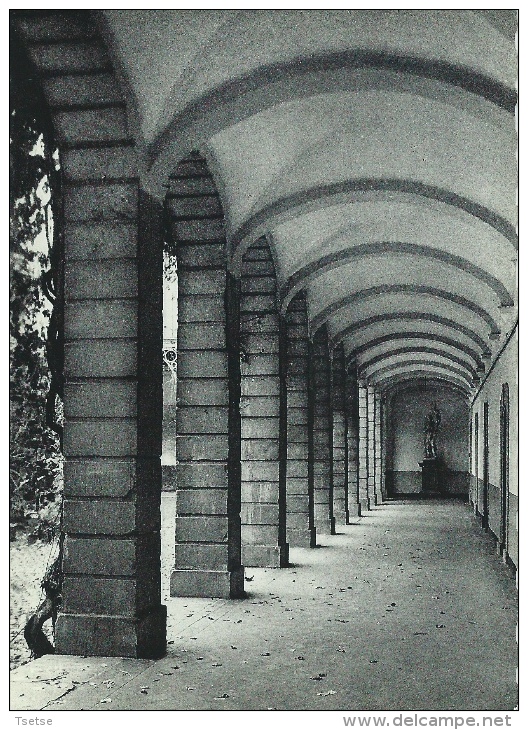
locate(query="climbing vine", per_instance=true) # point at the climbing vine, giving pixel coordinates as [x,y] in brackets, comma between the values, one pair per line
[35,324]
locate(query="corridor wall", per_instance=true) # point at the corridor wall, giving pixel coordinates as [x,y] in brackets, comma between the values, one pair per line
[407,411]
[495,498]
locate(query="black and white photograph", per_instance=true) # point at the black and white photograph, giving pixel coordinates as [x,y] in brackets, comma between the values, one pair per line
[263,366]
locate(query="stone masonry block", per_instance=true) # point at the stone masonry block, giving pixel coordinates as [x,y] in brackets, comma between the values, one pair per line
[101,438]
[260,471]
[198,256]
[91,125]
[202,476]
[259,428]
[268,406]
[201,502]
[201,308]
[200,419]
[201,336]
[260,449]
[203,391]
[100,240]
[95,319]
[202,448]
[101,279]
[112,556]
[208,364]
[260,514]
[110,398]
[116,202]
[201,529]
[192,556]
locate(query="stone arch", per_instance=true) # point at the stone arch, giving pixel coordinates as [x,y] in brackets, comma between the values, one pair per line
[301,278]
[432,339]
[373,292]
[374,375]
[352,190]
[413,316]
[112,360]
[411,351]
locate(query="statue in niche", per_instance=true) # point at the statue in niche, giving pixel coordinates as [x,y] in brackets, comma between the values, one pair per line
[431,427]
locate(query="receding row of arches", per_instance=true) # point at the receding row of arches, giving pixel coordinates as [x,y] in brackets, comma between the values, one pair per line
[335,262]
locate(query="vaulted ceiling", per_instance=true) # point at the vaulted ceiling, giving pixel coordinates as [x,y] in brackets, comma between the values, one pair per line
[376,151]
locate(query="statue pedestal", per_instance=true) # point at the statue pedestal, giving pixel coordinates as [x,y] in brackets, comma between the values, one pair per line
[431,475]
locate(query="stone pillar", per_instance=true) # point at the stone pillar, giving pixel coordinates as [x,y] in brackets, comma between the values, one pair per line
[321,433]
[264,483]
[371,458]
[364,497]
[207,550]
[377,448]
[340,452]
[299,488]
[113,414]
[352,411]
[112,350]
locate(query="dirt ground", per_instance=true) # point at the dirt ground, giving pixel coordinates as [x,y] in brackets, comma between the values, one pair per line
[27,562]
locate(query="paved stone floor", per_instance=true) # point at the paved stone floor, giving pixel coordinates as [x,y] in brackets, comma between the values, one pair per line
[409,608]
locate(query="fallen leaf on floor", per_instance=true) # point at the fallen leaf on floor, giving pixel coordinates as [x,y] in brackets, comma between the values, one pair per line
[341,649]
[373,661]
[190,689]
[325,694]
[440,626]
[266,653]
[233,647]
[144,692]
[300,658]
[319,677]
[249,577]
[216,664]
[199,658]
[106,699]
[420,633]
[222,697]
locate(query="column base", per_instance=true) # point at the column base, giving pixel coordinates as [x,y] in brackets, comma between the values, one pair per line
[302,537]
[325,527]
[266,556]
[341,517]
[143,637]
[365,505]
[207,583]
[354,510]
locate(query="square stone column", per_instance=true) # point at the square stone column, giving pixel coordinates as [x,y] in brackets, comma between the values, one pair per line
[113,415]
[207,535]
[321,437]
[378,473]
[263,414]
[352,412]
[339,446]
[371,448]
[364,496]
[299,488]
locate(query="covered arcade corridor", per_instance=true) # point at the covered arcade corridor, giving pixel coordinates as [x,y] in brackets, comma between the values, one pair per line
[336,193]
